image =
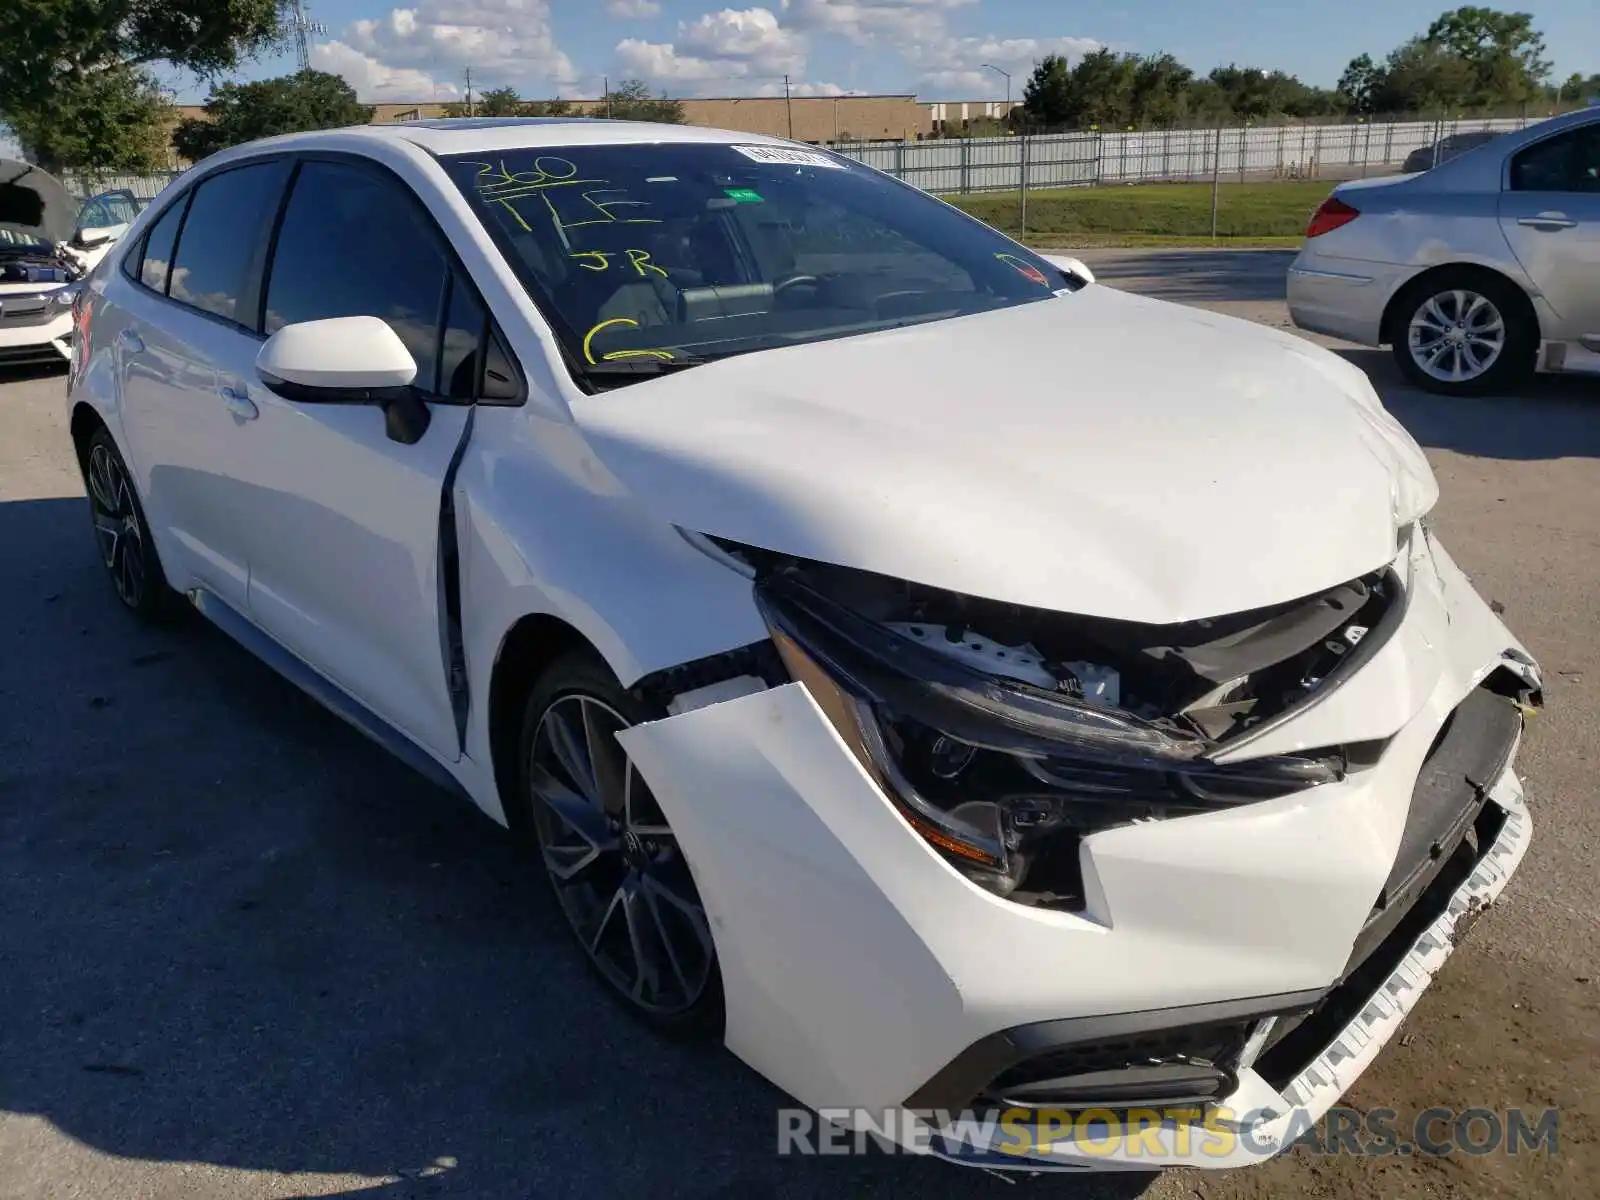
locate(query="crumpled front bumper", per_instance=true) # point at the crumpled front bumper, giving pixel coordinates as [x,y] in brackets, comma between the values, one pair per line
[858,965]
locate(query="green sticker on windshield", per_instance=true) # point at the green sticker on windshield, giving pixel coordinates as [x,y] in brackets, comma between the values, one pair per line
[742,195]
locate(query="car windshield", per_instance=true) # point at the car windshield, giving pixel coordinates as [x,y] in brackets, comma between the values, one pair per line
[649,258]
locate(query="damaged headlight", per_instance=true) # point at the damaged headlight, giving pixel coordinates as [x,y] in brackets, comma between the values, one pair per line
[1003,777]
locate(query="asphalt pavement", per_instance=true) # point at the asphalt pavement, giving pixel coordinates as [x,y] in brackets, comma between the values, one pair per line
[247,955]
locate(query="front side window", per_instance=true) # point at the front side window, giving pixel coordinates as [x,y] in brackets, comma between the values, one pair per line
[218,244]
[1569,162]
[353,244]
[650,257]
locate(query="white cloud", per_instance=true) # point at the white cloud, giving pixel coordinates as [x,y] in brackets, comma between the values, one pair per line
[741,47]
[865,21]
[373,80]
[626,10]
[953,67]
[502,41]
[801,89]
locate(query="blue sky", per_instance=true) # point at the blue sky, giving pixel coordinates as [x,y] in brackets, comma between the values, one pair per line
[935,48]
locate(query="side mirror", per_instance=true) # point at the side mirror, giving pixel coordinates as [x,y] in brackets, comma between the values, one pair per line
[1072,266]
[94,237]
[347,360]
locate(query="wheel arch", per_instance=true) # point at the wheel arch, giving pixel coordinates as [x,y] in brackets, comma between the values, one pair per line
[526,650]
[1393,312]
[85,420]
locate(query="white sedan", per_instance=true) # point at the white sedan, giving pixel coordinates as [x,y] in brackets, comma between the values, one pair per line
[959,687]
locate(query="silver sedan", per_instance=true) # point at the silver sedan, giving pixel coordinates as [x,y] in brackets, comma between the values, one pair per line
[1478,272]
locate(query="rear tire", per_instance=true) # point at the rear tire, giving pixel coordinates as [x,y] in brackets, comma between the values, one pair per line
[121,531]
[1464,332]
[614,864]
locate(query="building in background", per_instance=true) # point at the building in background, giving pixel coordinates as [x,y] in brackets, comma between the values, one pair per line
[818,119]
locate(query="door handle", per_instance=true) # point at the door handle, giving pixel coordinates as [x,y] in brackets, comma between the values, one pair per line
[239,403]
[130,341]
[1549,220]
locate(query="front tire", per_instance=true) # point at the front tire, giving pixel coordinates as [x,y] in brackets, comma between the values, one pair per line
[1461,332]
[614,864]
[121,531]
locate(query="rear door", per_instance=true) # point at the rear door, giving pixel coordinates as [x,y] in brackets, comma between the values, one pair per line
[188,333]
[344,533]
[1550,212]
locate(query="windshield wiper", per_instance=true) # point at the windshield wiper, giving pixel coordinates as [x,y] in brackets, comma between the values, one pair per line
[625,370]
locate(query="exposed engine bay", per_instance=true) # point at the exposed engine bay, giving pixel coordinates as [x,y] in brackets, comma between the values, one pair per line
[1006,734]
[38,264]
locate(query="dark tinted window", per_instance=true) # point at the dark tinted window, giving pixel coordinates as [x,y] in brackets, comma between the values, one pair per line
[158,248]
[461,343]
[646,255]
[221,237]
[354,244]
[1568,163]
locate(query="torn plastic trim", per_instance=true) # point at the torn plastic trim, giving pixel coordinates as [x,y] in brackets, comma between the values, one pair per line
[1350,665]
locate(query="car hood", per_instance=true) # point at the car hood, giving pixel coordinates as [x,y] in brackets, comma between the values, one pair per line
[35,202]
[1097,453]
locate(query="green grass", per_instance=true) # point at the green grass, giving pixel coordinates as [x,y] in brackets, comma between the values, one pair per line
[1156,213]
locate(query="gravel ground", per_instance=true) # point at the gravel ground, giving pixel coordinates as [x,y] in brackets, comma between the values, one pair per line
[249,956]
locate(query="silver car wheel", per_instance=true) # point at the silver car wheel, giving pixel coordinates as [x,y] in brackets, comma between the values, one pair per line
[1456,336]
[621,881]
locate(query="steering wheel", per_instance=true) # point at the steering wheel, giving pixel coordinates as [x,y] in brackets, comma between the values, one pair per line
[794,281]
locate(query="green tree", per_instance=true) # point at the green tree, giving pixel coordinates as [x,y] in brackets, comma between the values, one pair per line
[1421,76]
[54,53]
[1360,85]
[631,100]
[1100,89]
[496,102]
[113,120]
[1503,52]
[242,112]
[1160,90]
[1047,96]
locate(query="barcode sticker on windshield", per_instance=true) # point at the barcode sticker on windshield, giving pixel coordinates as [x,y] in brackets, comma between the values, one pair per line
[783,156]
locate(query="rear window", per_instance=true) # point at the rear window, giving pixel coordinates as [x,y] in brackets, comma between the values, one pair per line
[222,234]
[158,245]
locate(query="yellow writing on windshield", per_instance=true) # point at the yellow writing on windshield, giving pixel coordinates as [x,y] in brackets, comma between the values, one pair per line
[498,184]
[588,353]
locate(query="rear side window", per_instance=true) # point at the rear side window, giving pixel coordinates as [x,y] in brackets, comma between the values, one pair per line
[1569,162]
[354,244]
[158,248]
[214,268]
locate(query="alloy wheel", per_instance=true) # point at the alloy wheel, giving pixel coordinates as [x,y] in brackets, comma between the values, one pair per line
[619,875]
[1456,336]
[116,525]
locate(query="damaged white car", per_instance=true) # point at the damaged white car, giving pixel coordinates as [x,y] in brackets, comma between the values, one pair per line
[47,246]
[959,686]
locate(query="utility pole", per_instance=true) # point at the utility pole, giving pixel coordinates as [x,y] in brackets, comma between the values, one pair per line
[469,93]
[605,82]
[788,106]
[300,26]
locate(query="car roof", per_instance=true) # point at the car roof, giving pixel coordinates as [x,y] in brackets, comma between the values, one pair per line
[468,135]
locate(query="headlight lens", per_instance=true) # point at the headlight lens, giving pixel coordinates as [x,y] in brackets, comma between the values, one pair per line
[63,297]
[1005,779]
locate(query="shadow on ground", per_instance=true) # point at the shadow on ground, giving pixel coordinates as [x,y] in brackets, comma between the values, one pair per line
[1549,417]
[238,934]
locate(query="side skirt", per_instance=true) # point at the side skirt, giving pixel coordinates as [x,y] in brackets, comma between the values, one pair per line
[332,697]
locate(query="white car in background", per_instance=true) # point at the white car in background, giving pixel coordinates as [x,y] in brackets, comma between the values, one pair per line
[1477,272]
[47,245]
[904,674]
